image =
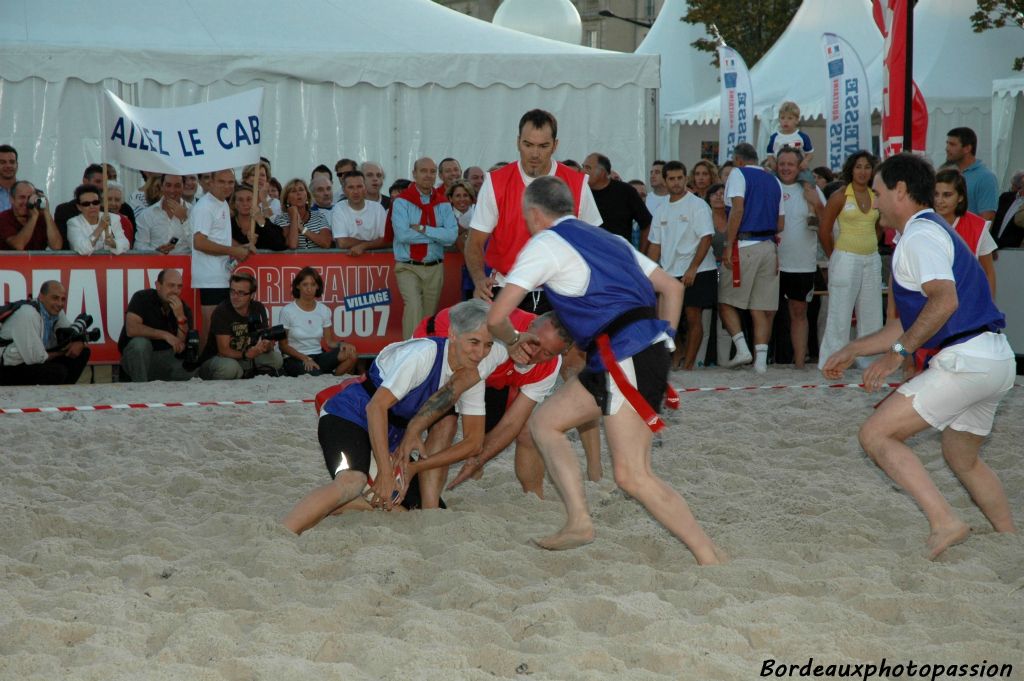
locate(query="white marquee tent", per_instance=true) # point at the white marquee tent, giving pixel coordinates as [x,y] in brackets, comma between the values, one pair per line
[953,66]
[1007,128]
[388,81]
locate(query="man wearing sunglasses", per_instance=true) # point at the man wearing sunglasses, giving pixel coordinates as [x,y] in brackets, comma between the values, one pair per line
[234,349]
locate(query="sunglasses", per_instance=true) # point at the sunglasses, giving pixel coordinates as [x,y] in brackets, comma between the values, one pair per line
[97,202]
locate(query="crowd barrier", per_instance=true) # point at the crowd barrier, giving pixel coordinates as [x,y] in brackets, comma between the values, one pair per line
[361,292]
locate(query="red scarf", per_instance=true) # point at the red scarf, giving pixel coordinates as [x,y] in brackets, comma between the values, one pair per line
[427,218]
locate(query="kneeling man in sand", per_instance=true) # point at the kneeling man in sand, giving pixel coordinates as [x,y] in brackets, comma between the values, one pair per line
[940,303]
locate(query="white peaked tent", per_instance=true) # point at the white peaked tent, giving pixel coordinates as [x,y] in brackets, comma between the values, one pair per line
[793,69]
[687,76]
[953,66]
[387,81]
[1007,128]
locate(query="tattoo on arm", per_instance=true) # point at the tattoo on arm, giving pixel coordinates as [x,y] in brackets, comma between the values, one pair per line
[438,404]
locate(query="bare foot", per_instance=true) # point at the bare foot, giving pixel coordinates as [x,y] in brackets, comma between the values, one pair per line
[943,537]
[567,538]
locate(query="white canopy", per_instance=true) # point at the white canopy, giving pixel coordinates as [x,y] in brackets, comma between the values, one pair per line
[953,66]
[388,81]
[1007,128]
[794,68]
[687,75]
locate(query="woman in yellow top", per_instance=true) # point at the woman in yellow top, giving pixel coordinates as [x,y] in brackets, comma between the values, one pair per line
[855,267]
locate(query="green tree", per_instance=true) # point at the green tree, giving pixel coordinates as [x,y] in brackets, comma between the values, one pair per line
[750,27]
[997,14]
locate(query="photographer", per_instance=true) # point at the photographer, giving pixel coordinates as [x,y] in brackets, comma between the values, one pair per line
[236,347]
[27,225]
[157,331]
[32,352]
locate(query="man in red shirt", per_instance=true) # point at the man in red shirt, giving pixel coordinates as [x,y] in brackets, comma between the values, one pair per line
[26,226]
[512,391]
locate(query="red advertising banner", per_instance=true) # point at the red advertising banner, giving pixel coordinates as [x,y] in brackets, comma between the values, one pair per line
[361,292]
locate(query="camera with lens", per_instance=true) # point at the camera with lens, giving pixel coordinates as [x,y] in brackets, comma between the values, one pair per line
[79,331]
[258,330]
[190,355]
[38,202]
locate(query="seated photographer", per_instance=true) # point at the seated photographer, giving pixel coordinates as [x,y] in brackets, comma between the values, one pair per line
[27,225]
[39,346]
[241,341]
[89,232]
[157,333]
[310,330]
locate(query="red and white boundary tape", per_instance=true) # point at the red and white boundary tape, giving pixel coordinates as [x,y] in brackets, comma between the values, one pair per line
[146,405]
[246,403]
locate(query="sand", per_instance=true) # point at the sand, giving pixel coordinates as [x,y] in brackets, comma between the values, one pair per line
[146,544]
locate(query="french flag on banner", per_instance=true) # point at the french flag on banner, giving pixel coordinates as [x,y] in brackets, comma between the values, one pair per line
[891,18]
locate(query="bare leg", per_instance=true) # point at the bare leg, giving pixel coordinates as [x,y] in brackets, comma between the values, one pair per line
[730,319]
[439,437]
[961,452]
[705,321]
[694,334]
[590,437]
[324,500]
[590,432]
[798,331]
[762,325]
[529,464]
[568,407]
[882,436]
[629,440]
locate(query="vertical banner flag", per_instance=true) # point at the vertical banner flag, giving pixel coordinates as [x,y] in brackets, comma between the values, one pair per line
[223,133]
[736,119]
[848,118]
[891,18]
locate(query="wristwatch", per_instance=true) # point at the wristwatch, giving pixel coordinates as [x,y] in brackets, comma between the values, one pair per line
[898,348]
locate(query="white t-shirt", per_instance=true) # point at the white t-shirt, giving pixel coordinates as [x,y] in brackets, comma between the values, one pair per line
[305,329]
[211,218]
[653,201]
[407,364]
[736,186]
[678,227]
[924,253]
[366,224]
[539,390]
[798,250]
[549,259]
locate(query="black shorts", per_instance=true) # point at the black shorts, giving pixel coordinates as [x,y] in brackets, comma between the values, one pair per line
[796,285]
[495,401]
[704,292]
[213,296]
[651,366]
[341,440]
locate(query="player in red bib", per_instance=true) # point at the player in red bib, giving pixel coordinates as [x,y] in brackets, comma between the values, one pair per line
[512,392]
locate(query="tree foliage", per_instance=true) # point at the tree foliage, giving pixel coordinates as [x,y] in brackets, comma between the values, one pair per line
[750,27]
[997,14]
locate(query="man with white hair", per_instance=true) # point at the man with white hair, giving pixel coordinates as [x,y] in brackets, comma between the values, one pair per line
[373,174]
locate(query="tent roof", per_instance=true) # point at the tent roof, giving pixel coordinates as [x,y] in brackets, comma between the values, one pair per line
[1008,87]
[413,42]
[952,64]
[687,75]
[794,69]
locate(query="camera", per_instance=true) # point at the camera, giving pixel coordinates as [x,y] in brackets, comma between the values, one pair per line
[190,355]
[38,202]
[258,330]
[79,331]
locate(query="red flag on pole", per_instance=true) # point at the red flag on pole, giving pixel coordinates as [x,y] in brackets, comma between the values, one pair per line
[891,18]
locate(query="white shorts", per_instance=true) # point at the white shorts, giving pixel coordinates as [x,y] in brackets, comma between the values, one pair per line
[947,395]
